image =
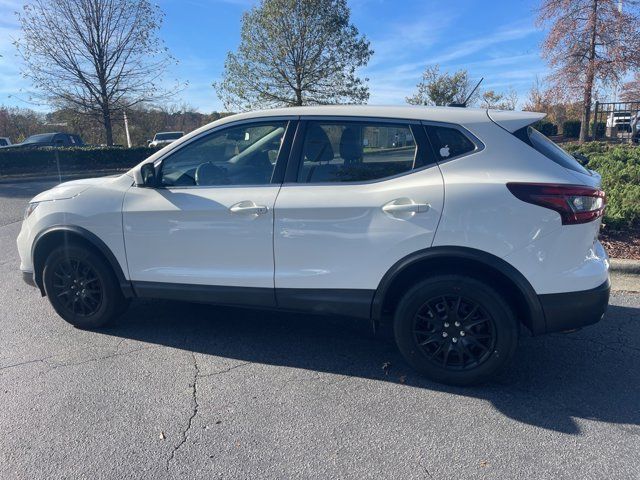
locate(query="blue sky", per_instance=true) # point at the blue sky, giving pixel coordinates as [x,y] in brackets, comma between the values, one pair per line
[497,39]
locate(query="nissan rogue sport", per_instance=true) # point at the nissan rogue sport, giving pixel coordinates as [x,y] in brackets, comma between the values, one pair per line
[452,227]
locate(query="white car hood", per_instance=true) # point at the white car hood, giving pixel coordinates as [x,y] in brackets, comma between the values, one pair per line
[69,189]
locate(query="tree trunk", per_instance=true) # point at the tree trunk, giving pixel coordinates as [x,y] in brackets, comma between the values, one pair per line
[108,129]
[298,97]
[588,84]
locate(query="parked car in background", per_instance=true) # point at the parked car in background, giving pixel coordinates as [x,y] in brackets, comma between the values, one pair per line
[4,141]
[635,128]
[618,122]
[164,138]
[318,209]
[56,139]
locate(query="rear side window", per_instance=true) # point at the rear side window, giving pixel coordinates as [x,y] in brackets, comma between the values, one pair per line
[449,142]
[549,149]
[355,151]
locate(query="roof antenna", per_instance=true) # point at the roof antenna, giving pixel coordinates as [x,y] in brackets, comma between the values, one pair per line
[464,104]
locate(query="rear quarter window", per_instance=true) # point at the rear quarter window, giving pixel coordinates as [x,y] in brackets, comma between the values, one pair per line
[449,142]
[549,149]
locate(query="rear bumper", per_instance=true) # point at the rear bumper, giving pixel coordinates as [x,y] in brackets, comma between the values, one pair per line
[571,310]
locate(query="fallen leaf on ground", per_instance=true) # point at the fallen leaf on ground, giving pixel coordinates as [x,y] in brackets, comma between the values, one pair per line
[162,436]
[385,367]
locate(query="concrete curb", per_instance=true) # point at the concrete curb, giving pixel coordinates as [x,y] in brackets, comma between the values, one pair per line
[625,266]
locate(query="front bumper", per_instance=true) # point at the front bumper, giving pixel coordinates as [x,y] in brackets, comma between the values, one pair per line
[571,310]
[28,279]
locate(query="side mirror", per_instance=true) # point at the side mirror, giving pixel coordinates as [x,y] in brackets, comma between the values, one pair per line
[147,176]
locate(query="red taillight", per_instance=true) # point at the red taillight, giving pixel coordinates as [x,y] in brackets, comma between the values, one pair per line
[574,203]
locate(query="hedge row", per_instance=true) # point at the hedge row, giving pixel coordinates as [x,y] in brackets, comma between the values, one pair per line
[73,159]
[570,128]
[620,170]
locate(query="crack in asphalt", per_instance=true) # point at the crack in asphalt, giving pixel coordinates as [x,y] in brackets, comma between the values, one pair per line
[605,345]
[426,471]
[99,359]
[10,223]
[226,370]
[195,404]
[194,412]
[53,366]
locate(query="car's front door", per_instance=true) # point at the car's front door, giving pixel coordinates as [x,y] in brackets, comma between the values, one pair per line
[364,194]
[207,228]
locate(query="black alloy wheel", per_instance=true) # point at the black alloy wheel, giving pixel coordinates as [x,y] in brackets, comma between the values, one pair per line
[78,287]
[454,332]
[455,329]
[82,286]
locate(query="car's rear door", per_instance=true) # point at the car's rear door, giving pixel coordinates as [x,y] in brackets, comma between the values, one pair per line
[359,195]
[206,232]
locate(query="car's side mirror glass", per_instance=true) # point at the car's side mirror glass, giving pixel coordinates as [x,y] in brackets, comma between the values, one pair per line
[148,175]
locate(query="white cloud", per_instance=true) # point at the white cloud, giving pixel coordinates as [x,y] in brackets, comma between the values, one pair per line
[391,83]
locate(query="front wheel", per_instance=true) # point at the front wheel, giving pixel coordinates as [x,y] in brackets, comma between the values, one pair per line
[82,287]
[455,330]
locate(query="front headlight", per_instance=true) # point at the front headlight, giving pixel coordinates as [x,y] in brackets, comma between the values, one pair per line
[30,208]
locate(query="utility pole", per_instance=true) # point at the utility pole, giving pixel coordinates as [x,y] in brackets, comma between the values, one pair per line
[126,128]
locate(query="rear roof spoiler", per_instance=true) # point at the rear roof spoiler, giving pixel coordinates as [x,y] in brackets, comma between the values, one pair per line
[512,121]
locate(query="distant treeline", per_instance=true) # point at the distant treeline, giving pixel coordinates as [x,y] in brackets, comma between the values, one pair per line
[19,123]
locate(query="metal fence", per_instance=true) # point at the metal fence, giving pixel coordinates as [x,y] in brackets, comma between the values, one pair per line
[616,122]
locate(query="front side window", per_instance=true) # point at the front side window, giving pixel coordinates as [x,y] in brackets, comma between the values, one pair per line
[449,142]
[241,155]
[355,151]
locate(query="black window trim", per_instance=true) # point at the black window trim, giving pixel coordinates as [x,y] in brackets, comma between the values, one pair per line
[423,153]
[479,145]
[278,170]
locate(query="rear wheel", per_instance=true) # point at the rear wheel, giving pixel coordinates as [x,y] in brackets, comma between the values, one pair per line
[455,330]
[82,287]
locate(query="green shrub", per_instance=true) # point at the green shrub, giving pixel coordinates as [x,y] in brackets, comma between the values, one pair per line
[620,170]
[571,129]
[74,159]
[546,128]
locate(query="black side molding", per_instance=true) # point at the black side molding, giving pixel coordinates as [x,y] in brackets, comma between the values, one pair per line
[347,302]
[215,294]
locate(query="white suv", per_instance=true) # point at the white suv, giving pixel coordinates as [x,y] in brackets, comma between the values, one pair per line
[452,226]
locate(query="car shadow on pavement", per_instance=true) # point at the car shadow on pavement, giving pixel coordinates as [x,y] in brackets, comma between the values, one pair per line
[554,381]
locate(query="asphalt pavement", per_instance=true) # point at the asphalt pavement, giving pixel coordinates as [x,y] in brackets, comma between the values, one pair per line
[192,391]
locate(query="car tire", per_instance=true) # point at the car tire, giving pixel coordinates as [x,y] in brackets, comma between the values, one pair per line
[82,287]
[455,330]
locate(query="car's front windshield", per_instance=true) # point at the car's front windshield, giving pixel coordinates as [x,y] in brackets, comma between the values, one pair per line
[168,135]
[41,138]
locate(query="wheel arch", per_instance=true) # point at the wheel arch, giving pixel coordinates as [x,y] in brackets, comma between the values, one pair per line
[53,236]
[458,260]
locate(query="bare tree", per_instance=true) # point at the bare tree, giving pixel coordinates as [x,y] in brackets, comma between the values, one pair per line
[589,42]
[500,101]
[95,56]
[631,89]
[295,52]
[539,99]
[437,88]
